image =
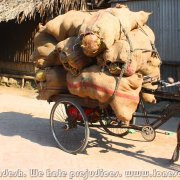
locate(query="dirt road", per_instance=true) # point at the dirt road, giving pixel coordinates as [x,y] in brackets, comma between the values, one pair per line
[28,149]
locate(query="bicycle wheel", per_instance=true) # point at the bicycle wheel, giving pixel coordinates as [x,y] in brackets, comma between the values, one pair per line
[148,133]
[112,125]
[69,126]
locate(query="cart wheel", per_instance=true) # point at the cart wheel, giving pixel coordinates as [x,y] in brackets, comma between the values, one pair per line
[69,126]
[148,133]
[112,125]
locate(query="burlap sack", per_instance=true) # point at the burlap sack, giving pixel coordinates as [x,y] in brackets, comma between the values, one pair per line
[107,29]
[49,61]
[120,51]
[44,46]
[54,84]
[43,39]
[72,56]
[149,98]
[152,69]
[40,76]
[66,25]
[130,20]
[92,45]
[106,25]
[39,63]
[100,86]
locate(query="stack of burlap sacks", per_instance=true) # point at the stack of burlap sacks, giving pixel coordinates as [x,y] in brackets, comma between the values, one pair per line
[83,53]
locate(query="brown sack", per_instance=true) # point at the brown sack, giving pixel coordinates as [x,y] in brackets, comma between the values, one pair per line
[43,39]
[66,25]
[103,25]
[39,63]
[152,69]
[100,86]
[46,61]
[72,56]
[149,98]
[120,51]
[106,25]
[54,84]
[50,61]
[40,76]
[53,27]
[44,45]
[92,45]
[130,20]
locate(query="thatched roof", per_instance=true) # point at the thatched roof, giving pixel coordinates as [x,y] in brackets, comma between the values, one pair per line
[23,9]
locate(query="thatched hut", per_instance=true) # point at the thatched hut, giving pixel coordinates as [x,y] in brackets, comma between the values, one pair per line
[18,23]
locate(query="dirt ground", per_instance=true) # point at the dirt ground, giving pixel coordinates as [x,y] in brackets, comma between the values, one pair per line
[28,149]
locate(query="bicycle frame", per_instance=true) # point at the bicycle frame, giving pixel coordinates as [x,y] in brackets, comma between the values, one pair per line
[170,110]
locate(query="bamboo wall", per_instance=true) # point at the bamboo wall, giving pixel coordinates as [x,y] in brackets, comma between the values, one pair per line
[16,47]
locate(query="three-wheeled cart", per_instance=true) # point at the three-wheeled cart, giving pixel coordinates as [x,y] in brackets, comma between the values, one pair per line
[71,117]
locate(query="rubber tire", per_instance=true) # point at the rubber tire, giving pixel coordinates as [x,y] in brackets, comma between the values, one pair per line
[107,129]
[87,132]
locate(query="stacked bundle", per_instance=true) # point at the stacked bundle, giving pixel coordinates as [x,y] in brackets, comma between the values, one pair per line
[92,54]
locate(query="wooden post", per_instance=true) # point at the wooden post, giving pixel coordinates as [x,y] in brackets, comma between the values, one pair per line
[178,73]
[23,77]
[22,85]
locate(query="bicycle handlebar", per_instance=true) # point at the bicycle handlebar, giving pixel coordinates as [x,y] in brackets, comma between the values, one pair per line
[165,84]
[160,83]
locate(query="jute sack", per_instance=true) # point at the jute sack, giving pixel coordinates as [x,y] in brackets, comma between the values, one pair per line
[152,69]
[66,25]
[149,98]
[52,82]
[130,20]
[49,61]
[120,51]
[100,31]
[100,86]
[44,40]
[72,56]
[44,45]
[40,76]
[92,45]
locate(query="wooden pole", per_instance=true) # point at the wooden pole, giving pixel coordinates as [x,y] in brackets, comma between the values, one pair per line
[18,76]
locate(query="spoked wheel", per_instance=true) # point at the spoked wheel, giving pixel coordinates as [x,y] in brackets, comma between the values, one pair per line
[113,126]
[148,133]
[69,126]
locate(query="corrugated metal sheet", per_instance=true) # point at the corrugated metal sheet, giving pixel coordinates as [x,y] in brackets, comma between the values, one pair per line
[169,70]
[165,21]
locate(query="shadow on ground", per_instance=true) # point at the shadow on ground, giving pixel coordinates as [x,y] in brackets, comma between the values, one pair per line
[108,145]
[38,131]
[25,125]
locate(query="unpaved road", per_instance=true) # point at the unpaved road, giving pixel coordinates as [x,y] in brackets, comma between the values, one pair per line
[26,143]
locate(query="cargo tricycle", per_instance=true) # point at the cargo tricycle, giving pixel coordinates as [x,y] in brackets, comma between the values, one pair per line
[72,116]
